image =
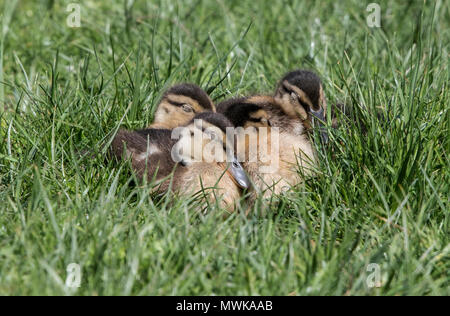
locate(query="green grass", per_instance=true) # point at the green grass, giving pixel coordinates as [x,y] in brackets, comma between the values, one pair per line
[381,197]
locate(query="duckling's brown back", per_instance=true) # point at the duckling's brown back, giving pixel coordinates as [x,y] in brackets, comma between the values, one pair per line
[149,151]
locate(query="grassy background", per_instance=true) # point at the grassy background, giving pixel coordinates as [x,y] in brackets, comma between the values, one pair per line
[380,197]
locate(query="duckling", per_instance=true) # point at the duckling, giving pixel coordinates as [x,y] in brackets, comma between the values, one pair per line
[199,156]
[300,94]
[180,104]
[283,144]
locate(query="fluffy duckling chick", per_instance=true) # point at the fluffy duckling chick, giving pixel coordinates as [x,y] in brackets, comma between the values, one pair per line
[300,94]
[199,155]
[282,145]
[180,104]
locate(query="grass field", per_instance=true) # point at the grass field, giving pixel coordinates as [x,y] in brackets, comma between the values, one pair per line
[378,207]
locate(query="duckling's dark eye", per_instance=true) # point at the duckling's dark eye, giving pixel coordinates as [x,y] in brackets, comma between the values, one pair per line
[187,108]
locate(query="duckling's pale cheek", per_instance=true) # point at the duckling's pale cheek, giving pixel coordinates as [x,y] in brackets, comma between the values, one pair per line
[180,118]
[170,116]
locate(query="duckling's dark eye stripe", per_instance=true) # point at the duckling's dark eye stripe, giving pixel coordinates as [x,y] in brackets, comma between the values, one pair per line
[256,120]
[176,103]
[193,92]
[305,106]
[239,113]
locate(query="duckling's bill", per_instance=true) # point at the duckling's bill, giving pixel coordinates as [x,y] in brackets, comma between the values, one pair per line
[238,174]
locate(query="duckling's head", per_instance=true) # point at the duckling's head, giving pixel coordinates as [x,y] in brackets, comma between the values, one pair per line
[180,104]
[300,93]
[245,112]
[207,138]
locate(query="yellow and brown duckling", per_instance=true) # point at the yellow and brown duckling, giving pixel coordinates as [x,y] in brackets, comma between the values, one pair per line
[302,91]
[179,104]
[200,158]
[284,144]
